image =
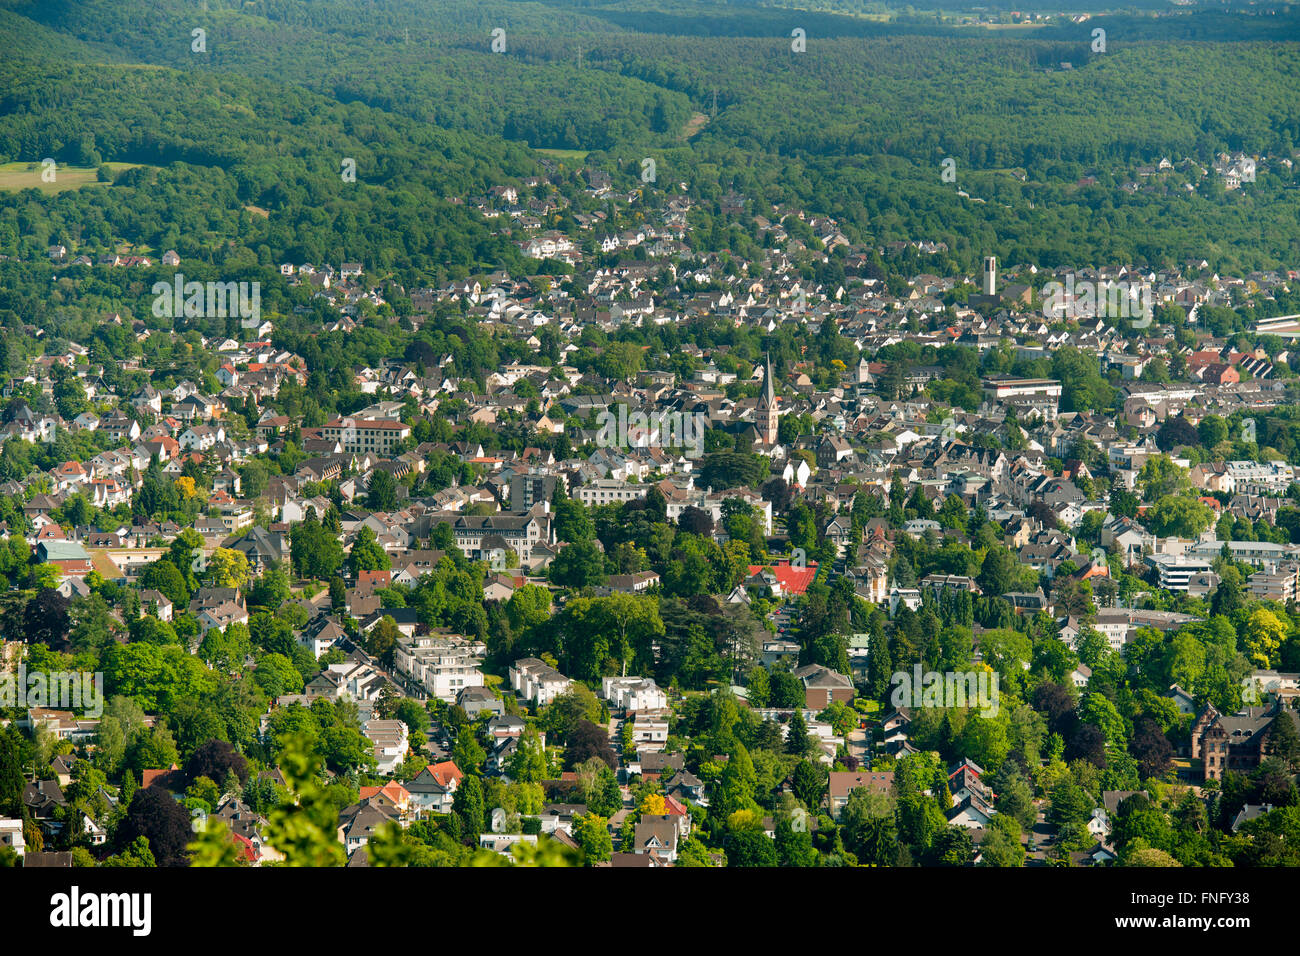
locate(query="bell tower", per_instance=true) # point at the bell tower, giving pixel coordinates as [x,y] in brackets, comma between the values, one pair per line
[767,417]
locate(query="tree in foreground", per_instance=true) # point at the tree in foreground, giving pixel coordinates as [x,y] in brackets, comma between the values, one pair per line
[305,832]
[215,846]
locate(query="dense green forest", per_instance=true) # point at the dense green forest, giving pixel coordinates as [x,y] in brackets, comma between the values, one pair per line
[227,143]
[856,127]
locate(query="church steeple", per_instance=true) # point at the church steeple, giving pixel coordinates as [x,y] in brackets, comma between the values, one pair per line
[767,422]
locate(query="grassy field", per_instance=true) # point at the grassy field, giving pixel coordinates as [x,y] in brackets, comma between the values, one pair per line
[573,155]
[17,176]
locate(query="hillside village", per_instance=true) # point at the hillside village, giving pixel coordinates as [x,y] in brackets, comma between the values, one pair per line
[498,610]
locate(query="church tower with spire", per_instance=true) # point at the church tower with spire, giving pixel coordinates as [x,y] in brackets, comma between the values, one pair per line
[767,420]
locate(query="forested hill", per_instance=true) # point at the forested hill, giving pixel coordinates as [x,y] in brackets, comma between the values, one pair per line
[226,143]
[1044,132]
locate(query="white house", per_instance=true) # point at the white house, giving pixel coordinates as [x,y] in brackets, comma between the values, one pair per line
[391,741]
[650,731]
[633,693]
[909,597]
[11,835]
[1099,824]
[971,813]
[444,665]
[536,681]
[202,437]
[221,617]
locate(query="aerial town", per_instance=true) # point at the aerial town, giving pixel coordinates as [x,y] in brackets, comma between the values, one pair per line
[663,559]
